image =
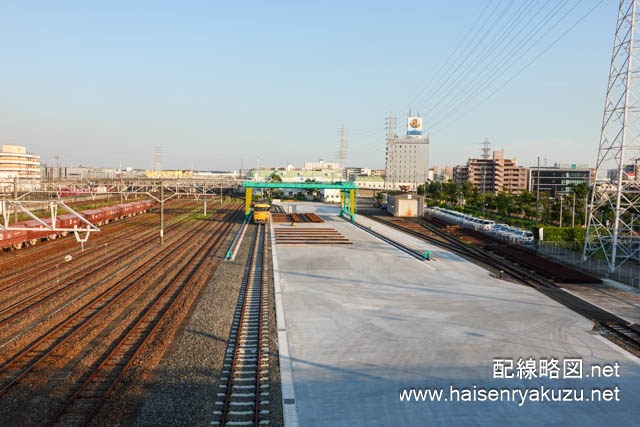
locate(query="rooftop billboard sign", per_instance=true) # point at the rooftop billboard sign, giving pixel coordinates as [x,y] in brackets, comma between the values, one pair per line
[414,126]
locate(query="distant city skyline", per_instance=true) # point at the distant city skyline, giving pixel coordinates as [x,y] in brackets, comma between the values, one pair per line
[220,84]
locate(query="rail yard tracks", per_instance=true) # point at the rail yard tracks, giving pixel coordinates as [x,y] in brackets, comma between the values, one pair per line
[37,259]
[88,272]
[81,406]
[137,301]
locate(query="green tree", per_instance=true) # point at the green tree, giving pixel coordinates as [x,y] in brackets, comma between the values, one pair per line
[275,177]
[504,202]
[525,203]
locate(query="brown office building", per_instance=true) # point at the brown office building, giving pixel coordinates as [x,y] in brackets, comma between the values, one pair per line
[493,174]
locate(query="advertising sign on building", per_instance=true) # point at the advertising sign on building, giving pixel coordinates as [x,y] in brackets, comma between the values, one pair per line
[414,126]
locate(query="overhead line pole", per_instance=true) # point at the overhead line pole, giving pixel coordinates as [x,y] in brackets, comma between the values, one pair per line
[537,189]
[161,213]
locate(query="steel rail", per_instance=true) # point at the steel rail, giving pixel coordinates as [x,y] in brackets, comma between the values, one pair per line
[72,280]
[127,284]
[254,292]
[180,280]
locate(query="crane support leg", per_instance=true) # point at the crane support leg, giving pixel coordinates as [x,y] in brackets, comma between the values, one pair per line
[247,205]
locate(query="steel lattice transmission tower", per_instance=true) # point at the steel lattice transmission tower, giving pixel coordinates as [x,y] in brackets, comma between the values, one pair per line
[615,199]
[342,151]
[486,149]
[157,157]
[389,159]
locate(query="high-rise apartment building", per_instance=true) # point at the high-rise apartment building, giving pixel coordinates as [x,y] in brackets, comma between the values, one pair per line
[494,174]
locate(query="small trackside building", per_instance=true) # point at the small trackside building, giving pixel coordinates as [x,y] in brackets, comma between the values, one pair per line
[406,205]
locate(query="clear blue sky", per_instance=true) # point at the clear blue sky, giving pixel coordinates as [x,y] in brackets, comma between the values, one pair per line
[216,82]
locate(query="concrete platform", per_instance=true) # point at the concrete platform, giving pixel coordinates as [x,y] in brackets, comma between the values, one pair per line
[364,322]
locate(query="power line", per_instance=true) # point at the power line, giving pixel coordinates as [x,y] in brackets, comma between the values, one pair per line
[509,60]
[446,62]
[451,74]
[478,68]
[479,56]
[527,65]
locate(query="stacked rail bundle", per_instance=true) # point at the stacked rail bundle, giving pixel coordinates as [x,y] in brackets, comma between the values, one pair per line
[314,218]
[281,217]
[310,236]
[298,218]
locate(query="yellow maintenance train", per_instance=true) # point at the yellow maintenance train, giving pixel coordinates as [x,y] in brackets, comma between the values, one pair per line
[261,213]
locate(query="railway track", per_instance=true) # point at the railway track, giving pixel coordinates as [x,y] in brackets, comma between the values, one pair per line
[602,319]
[83,404]
[35,252]
[31,287]
[38,259]
[43,348]
[129,254]
[244,394]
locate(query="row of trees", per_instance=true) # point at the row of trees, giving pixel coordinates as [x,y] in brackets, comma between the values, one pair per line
[514,207]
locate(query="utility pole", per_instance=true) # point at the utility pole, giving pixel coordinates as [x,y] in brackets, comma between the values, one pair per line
[204,190]
[161,213]
[538,190]
[15,197]
[484,174]
[585,208]
[220,193]
[573,212]
[561,210]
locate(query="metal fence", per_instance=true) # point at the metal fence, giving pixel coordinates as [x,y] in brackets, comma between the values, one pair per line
[571,254]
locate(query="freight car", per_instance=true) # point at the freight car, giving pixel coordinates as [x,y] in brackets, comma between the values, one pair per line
[16,239]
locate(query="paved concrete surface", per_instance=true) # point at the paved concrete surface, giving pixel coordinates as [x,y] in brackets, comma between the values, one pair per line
[366,321]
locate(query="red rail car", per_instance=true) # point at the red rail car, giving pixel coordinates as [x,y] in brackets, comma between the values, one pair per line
[16,239]
[12,239]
